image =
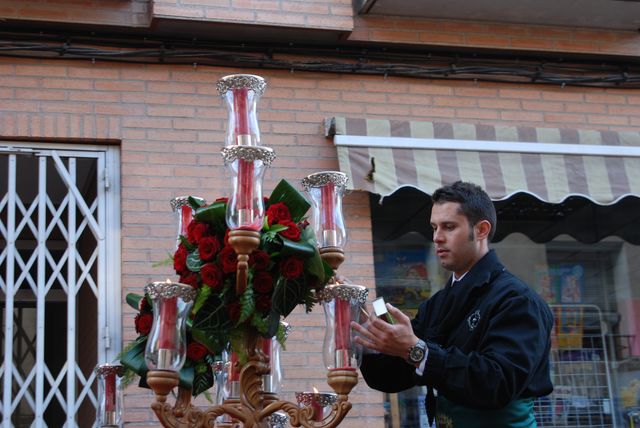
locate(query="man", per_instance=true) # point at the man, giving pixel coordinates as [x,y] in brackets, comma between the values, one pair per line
[482,342]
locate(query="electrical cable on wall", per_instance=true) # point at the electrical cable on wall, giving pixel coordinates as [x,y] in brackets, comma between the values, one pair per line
[344,59]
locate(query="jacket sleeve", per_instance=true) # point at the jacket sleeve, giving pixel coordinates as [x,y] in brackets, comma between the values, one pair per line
[391,374]
[387,373]
[509,355]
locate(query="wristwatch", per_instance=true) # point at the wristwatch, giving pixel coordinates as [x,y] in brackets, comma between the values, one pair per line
[416,352]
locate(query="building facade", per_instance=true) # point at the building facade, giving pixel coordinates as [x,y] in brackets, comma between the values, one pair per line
[108,110]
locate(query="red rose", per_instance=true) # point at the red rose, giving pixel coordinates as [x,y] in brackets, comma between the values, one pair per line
[143,323]
[208,247]
[291,232]
[190,278]
[277,213]
[233,309]
[259,260]
[211,276]
[196,351]
[180,259]
[228,259]
[263,303]
[263,282]
[144,305]
[196,230]
[292,267]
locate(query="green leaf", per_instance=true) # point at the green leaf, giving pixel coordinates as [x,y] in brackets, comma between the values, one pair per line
[202,381]
[247,304]
[211,324]
[299,248]
[275,228]
[195,203]
[214,214]
[133,300]
[188,245]
[272,323]
[133,358]
[286,295]
[281,335]
[261,324]
[203,295]
[193,261]
[296,202]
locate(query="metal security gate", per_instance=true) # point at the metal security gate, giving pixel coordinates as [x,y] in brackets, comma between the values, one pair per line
[580,372]
[59,280]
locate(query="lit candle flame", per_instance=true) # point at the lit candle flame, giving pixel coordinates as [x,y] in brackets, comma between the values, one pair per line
[315,390]
[168,281]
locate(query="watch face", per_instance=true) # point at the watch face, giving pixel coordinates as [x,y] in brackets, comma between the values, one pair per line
[416,354]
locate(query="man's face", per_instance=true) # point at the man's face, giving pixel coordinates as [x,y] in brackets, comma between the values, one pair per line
[455,241]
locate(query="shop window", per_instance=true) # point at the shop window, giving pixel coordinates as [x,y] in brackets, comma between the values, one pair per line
[581,257]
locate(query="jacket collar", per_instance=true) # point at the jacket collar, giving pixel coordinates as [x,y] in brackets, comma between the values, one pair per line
[482,271]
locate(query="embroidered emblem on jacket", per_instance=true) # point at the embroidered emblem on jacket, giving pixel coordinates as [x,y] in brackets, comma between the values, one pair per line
[443,421]
[473,320]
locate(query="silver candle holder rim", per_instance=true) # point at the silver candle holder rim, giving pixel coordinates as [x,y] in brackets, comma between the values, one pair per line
[321,398]
[181,201]
[322,178]
[168,290]
[248,153]
[344,292]
[278,419]
[239,81]
[107,369]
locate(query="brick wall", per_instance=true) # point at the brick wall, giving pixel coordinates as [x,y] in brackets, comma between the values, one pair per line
[492,35]
[317,14]
[125,13]
[326,16]
[172,125]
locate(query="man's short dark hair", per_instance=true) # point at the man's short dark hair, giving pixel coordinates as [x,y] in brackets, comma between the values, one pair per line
[474,202]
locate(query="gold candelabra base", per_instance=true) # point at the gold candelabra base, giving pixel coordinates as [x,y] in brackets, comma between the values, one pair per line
[253,407]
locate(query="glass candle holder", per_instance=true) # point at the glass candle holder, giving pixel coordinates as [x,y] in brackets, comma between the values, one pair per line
[109,412]
[166,344]
[245,208]
[321,402]
[342,303]
[184,214]
[326,190]
[241,93]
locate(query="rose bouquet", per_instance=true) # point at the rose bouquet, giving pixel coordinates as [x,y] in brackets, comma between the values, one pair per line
[286,270]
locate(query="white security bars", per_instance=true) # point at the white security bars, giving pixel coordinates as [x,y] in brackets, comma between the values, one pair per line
[59,280]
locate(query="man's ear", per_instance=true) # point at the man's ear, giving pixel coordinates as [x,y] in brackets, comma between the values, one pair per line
[483,228]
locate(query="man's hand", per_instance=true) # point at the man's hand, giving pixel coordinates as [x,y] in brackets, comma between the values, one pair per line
[391,339]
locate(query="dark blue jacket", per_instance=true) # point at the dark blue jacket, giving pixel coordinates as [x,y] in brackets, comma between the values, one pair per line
[488,338]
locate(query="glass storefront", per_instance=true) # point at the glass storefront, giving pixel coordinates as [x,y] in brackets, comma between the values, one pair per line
[584,259]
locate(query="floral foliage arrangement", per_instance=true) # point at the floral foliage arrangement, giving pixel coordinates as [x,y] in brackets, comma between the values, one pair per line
[286,270]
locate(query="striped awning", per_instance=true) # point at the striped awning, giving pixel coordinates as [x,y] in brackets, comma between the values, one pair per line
[380,156]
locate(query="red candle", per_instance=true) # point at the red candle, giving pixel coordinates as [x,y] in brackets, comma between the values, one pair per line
[245,185]
[234,376]
[240,96]
[266,347]
[110,392]
[168,315]
[328,206]
[318,410]
[342,324]
[187,215]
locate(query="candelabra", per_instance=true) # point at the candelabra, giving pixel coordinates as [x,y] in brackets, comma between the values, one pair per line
[251,399]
